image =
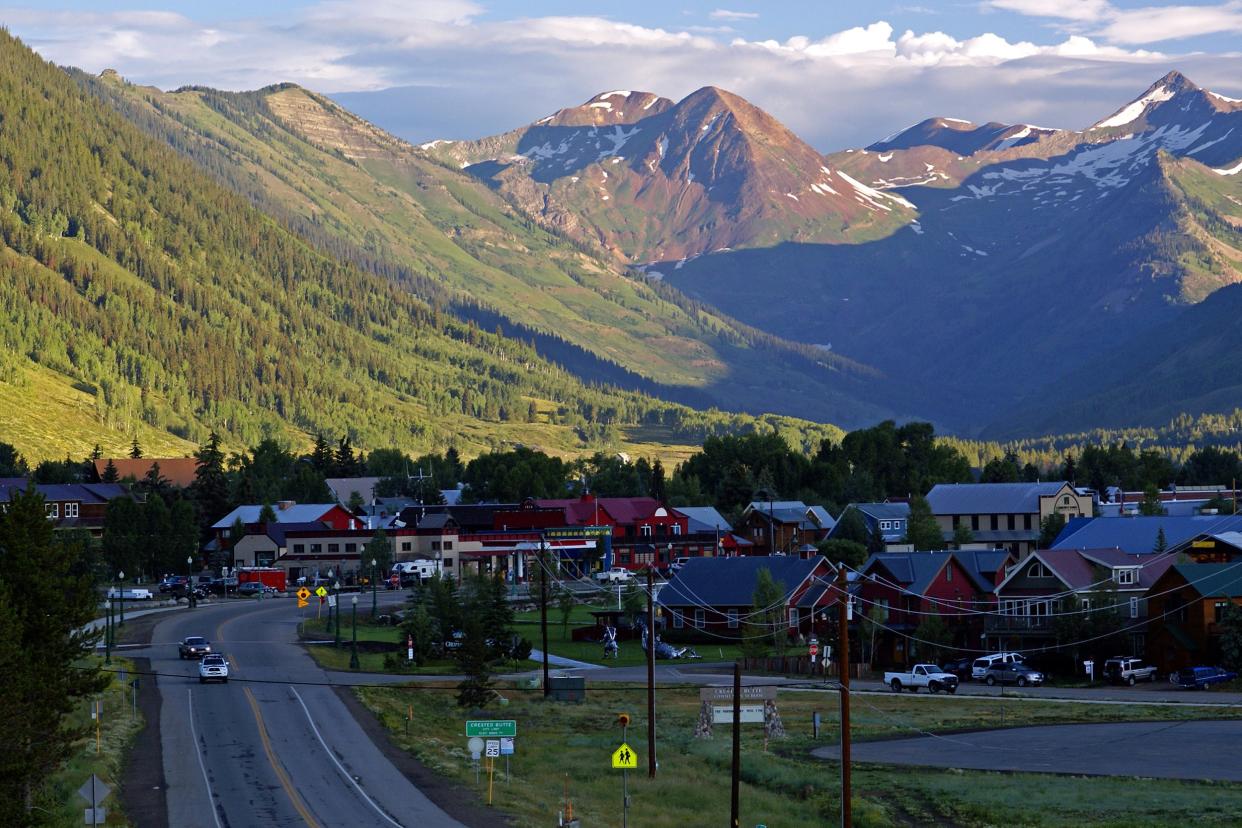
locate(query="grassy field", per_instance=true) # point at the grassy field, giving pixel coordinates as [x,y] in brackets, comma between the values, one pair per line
[560,642]
[337,658]
[561,744]
[118,728]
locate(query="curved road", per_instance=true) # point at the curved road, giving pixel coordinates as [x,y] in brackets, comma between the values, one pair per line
[265,751]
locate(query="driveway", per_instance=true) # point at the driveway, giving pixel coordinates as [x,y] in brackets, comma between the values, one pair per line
[1168,750]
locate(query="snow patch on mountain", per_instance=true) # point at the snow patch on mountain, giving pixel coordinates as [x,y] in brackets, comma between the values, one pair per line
[1234,170]
[625,93]
[872,194]
[435,143]
[602,105]
[1136,108]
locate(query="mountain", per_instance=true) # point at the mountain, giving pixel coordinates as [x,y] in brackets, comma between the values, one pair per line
[962,137]
[141,296]
[461,246]
[649,180]
[1025,261]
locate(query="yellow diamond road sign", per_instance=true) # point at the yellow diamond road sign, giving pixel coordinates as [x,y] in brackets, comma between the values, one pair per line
[303,594]
[624,758]
[321,592]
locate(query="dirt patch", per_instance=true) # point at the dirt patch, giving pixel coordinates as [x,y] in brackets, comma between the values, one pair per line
[456,802]
[143,790]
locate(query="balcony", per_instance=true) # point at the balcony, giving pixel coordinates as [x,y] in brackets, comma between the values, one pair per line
[1017,623]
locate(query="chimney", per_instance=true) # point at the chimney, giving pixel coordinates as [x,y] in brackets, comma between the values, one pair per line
[282,505]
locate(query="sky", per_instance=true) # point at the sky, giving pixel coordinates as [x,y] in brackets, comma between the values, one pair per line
[840,74]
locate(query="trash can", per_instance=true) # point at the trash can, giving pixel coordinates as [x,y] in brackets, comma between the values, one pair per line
[567,688]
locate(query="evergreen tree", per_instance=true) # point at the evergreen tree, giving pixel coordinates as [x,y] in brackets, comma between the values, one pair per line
[838,550]
[769,609]
[321,456]
[658,489]
[12,464]
[1049,528]
[922,530]
[420,629]
[565,605]
[123,535]
[135,450]
[962,535]
[1151,506]
[46,599]
[267,515]
[475,690]
[1162,543]
[110,473]
[380,551]
[852,527]
[934,638]
[1231,637]
[210,488]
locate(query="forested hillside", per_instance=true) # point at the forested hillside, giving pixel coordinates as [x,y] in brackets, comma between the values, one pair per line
[173,305]
[371,199]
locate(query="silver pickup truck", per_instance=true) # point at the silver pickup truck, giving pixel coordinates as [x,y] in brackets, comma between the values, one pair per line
[923,675]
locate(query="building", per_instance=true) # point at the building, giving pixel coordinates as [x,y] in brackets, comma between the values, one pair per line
[713,598]
[884,521]
[1178,501]
[1141,534]
[1007,515]
[905,588]
[68,505]
[783,526]
[1073,582]
[1187,604]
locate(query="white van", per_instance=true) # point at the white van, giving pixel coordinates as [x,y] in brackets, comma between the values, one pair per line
[980,668]
[419,570]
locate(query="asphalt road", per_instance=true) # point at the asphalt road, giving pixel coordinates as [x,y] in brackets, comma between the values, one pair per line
[1168,750]
[278,749]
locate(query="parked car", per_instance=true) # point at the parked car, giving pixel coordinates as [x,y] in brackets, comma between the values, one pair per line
[172,582]
[251,588]
[962,668]
[1201,678]
[1012,672]
[618,574]
[923,675]
[131,594]
[179,591]
[1123,670]
[213,668]
[195,646]
[223,586]
[979,669]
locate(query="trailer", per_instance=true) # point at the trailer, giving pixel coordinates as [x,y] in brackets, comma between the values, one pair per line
[266,575]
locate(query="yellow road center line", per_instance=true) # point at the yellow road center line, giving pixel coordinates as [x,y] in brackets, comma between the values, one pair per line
[298,804]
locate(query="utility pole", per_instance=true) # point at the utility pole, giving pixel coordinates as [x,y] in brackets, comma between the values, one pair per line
[735,816]
[543,608]
[843,647]
[651,714]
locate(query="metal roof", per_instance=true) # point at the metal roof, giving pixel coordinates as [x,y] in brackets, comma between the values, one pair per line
[297,513]
[1213,580]
[989,498]
[704,519]
[1138,534]
[730,582]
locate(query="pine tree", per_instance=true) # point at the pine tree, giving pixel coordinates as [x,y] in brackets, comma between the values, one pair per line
[922,530]
[211,487]
[110,474]
[321,456]
[135,450]
[658,490]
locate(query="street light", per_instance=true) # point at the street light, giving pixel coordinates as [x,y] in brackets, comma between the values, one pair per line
[108,633]
[374,563]
[189,581]
[337,588]
[120,579]
[331,576]
[353,646]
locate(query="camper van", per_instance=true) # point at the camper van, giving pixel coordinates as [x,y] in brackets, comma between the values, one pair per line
[411,572]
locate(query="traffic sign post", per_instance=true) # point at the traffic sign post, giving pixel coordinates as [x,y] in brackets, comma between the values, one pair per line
[491,728]
[94,791]
[625,759]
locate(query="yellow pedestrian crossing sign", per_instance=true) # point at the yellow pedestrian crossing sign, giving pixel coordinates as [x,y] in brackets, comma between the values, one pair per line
[623,758]
[303,594]
[321,592]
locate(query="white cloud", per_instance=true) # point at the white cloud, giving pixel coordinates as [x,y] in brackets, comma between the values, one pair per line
[725,14]
[1149,24]
[452,71]
[1087,10]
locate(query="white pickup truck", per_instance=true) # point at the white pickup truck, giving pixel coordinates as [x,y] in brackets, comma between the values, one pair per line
[616,575]
[923,675]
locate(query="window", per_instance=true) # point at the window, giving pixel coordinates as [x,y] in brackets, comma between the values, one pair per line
[1219,609]
[52,510]
[1134,608]
[448,563]
[448,546]
[334,549]
[71,510]
[883,605]
[957,520]
[1038,570]
[733,619]
[676,528]
[886,524]
[405,546]
[793,617]
[1039,609]
[435,546]
[698,618]
[1085,603]
[1011,524]
[974,523]
[1126,576]
[299,548]
[351,548]
[644,530]
[678,622]
[1026,522]
[995,522]
[898,524]
[948,572]
[316,548]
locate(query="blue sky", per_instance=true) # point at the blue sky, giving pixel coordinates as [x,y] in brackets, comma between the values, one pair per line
[839,73]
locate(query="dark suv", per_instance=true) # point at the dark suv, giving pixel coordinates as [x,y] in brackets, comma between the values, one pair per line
[1013,673]
[194,647]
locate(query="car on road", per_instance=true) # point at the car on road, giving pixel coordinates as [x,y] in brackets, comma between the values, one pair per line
[979,669]
[1201,678]
[616,575]
[213,668]
[1013,672]
[194,646]
[923,675]
[223,586]
[131,594]
[255,588]
[1124,670]
[171,582]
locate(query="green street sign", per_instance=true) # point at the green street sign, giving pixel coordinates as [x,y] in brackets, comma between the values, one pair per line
[491,729]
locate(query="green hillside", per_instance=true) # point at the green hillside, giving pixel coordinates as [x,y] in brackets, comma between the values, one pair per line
[367,197]
[147,298]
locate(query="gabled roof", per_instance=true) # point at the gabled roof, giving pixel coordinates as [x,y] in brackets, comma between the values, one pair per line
[882,511]
[704,519]
[583,511]
[1213,580]
[984,562]
[730,582]
[343,487]
[774,505]
[1138,535]
[178,471]
[989,498]
[66,492]
[821,516]
[1076,568]
[915,571]
[297,513]
[279,532]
